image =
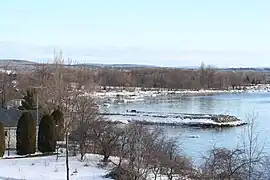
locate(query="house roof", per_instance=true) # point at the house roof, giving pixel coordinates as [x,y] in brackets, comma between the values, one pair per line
[10,117]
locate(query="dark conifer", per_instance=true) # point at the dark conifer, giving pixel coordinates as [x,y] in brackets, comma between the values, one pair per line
[58,117]
[2,140]
[46,134]
[26,134]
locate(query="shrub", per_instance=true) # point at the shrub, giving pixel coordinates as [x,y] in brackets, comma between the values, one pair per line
[122,173]
[58,117]
[2,140]
[26,134]
[46,135]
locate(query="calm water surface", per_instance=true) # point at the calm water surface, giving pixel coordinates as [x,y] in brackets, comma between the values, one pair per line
[239,105]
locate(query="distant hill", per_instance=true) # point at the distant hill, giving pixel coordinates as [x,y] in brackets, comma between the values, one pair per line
[26,65]
[125,66]
[246,69]
[15,61]
[18,65]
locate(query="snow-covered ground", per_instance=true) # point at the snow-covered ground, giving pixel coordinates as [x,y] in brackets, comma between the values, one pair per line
[47,167]
[7,71]
[39,168]
[13,155]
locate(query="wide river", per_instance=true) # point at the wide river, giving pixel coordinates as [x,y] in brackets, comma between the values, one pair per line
[240,105]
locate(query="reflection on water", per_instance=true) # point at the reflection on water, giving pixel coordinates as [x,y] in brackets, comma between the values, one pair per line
[206,104]
[238,105]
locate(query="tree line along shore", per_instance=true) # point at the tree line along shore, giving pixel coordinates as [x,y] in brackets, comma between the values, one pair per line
[89,78]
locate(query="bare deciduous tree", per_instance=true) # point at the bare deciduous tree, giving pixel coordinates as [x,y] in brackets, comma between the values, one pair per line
[8,89]
[87,115]
[224,164]
[69,109]
[254,154]
[146,152]
[244,162]
[63,95]
[106,136]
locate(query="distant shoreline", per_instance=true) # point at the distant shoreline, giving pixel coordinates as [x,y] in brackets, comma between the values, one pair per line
[129,94]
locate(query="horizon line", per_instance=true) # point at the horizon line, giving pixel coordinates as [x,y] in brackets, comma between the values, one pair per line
[139,64]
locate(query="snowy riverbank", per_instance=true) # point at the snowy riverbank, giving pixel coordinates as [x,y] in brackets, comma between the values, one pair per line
[130,94]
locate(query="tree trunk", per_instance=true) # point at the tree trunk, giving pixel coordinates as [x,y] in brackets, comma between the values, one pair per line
[67,164]
[82,151]
[106,156]
[120,161]
[9,138]
[155,175]
[57,151]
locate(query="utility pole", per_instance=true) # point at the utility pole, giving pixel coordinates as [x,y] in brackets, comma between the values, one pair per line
[37,105]
[37,109]
[8,138]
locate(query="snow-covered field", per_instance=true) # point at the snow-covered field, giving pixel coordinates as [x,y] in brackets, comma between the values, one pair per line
[48,168]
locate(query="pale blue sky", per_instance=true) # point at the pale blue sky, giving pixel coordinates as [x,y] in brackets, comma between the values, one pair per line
[161,32]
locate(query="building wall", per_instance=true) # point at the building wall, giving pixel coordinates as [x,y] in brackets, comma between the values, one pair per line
[11,132]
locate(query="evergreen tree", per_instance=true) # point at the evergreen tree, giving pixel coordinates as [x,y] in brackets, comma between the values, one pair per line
[26,134]
[28,102]
[58,117]
[46,134]
[2,140]
[247,80]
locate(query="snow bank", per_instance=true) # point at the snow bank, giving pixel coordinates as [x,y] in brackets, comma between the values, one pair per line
[13,155]
[258,88]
